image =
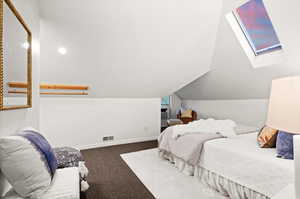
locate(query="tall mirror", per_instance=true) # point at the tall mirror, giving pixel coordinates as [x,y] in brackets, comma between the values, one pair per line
[15,67]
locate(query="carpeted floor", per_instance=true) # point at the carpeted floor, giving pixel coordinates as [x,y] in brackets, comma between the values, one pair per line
[110,177]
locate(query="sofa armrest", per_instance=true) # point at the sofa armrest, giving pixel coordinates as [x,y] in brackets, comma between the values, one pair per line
[65,184]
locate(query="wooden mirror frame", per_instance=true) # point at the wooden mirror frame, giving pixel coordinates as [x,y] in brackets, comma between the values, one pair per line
[29,57]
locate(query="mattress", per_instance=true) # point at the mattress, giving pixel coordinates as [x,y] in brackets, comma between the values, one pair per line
[239,159]
[65,185]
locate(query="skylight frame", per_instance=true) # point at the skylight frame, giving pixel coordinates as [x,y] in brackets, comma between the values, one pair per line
[263,60]
[269,49]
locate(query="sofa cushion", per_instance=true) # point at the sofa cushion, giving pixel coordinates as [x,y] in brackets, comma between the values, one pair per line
[43,146]
[67,157]
[65,185]
[25,164]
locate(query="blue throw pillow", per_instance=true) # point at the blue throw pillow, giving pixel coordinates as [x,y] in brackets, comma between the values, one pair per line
[285,145]
[43,147]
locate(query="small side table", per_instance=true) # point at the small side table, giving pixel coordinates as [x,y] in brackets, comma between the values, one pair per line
[287,193]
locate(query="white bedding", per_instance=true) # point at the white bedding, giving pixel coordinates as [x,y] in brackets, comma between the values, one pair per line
[239,159]
[224,127]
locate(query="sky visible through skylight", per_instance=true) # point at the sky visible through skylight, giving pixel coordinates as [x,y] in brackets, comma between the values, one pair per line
[257,27]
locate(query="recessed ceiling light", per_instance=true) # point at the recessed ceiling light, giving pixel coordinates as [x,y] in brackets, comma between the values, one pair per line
[25,45]
[62,50]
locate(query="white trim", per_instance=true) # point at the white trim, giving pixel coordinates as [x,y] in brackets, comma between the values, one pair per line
[116,142]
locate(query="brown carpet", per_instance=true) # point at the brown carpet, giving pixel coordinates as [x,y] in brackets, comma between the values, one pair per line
[110,177]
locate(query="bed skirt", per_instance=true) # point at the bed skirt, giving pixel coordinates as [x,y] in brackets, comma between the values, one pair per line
[179,163]
[213,181]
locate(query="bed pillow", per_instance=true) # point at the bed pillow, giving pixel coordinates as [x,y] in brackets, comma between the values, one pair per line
[285,145]
[28,163]
[187,114]
[267,137]
[245,129]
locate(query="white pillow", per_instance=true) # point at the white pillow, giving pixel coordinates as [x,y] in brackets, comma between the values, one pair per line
[23,167]
[244,129]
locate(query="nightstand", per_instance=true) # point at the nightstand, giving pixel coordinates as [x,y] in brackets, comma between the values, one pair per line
[287,193]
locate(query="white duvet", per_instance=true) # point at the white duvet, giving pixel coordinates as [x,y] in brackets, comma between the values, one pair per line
[223,127]
[240,160]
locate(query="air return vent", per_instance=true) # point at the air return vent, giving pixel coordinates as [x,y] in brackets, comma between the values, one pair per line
[107,138]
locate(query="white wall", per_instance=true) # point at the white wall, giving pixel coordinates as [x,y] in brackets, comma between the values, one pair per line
[175,105]
[83,122]
[10,121]
[132,48]
[286,21]
[250,112]
[232,75]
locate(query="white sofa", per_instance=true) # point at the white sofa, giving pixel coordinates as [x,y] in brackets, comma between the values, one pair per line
[65,185]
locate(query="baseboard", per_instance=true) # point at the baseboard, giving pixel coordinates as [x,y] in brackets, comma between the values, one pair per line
[117,142]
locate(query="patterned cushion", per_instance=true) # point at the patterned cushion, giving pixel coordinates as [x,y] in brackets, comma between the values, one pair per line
[67,157]
[285,145]
[267,137]
[25,161]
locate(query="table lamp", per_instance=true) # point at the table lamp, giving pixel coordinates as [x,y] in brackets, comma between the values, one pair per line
[284,115]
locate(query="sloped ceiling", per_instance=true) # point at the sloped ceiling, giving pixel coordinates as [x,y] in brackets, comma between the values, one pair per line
[286,17]
[128,48]
[231,75]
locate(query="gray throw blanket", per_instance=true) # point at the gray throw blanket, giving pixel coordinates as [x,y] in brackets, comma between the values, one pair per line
[187,147]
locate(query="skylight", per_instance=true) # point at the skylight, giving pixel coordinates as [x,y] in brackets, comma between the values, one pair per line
[257,27]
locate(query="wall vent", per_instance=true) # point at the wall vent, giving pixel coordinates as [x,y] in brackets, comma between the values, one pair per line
[107,138]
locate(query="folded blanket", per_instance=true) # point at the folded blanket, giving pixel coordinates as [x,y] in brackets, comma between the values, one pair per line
[223,127]
[187,148]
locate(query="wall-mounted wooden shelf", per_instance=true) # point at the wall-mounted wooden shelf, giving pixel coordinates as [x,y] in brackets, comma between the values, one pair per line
[56,93]
[49,86]
[63,87]
[49,93]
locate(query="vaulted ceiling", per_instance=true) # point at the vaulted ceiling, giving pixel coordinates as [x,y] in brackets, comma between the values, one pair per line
[231,75]
[128,48]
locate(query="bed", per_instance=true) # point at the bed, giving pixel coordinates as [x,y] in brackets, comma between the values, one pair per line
[235,167]
[238,168]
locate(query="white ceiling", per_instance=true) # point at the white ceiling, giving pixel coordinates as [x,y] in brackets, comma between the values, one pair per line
[232,75]
[128,48]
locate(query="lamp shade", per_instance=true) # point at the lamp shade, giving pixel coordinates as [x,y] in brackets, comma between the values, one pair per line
[284,105]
